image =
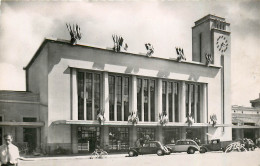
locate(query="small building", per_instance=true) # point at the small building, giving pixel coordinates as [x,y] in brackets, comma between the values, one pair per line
[246,121]
[77,84]
[20,116]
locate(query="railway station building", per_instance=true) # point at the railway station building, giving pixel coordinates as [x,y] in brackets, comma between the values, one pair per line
[74,85]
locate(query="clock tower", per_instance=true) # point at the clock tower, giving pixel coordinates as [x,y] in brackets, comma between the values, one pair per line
[211,35]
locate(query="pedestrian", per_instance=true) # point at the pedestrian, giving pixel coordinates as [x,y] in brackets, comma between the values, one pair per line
[9,153]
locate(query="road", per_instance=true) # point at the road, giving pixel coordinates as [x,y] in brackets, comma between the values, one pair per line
[179,159]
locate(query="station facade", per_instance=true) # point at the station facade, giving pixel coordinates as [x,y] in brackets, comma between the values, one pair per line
[78,83]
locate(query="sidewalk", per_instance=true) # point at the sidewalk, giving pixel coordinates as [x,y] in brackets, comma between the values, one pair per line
[71,156]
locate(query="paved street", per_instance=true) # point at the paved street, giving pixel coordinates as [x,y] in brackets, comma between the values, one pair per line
[180,159]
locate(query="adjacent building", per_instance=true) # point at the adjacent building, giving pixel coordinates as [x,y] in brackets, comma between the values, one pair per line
[75,84]
[246,121]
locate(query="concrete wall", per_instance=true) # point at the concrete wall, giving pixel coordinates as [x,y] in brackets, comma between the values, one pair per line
[15,112]
[204,30]
[62,56]
[37,82]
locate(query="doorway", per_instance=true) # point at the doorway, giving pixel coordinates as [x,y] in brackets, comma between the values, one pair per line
[88,138]
[29,136]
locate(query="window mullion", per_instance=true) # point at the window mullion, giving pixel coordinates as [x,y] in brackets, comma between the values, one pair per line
[142,100]
[115,97]
[189,92]
[122,98]
[93,96]
[173,101]
[195,102]
[85,97]
[167,98]
[149,101]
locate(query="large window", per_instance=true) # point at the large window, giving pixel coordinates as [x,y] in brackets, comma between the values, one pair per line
[111,81]
[146,99]
[89,93]
[118,138]
[88,138]
[192,101]
[118,98]
[146,133]
[170,100]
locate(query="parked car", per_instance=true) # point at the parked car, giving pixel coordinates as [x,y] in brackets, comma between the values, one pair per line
[150,147]
[185,145]
[214,145]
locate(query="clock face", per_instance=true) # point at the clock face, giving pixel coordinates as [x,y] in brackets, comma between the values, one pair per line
[222,44]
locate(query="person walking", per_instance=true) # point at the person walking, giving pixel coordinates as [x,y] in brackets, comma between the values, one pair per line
[9,153]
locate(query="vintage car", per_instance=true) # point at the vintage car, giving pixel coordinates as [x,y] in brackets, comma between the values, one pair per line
[150,147]
[185,145]
[214,145]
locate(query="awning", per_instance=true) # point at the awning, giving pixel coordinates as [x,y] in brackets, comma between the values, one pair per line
[242,120]
[245,127]
[22,124]
[141,124]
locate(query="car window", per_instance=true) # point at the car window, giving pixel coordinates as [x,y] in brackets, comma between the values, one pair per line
[192,143]
[146,145]
[215,142]
[179,143]
[153,145]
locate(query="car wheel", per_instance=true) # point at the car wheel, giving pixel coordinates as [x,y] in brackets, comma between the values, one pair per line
[159,152]
[203,150]
[191,151]
[131,153]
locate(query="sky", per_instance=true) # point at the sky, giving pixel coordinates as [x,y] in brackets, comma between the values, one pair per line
[164,24]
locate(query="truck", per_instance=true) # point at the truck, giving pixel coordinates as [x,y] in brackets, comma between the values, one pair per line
[214,145]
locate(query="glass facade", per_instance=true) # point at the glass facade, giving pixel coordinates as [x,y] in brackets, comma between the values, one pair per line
[119,98]
[118,138]
[192,101]
[119,95]
[80,77]
[89,98]
[111,81]
[164,91]
[152,99]
[139,98]
[146,99]
[171,135]
[89,93]
[89,88]
[176,101]
[126,98]
[170,100]
[146,132]
[88,138]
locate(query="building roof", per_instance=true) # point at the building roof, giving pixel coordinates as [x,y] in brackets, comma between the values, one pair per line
[18,96]
[242,108]
[67,42]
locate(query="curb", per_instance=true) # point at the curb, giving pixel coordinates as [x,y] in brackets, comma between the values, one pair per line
[68,157]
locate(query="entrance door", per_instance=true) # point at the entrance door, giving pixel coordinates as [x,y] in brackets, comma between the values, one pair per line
[88,138]
[29,136]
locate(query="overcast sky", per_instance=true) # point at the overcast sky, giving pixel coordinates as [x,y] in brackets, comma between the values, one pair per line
[24,25]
